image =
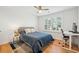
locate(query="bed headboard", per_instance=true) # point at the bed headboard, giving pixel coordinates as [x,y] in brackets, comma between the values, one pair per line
[27,29]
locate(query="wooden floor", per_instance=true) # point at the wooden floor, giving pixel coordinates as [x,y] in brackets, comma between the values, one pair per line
[53,47]
[5,48]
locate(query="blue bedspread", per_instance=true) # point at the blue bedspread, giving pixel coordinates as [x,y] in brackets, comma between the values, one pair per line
[36,40]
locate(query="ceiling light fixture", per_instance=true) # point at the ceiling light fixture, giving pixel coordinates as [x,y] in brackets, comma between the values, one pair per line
[39,11]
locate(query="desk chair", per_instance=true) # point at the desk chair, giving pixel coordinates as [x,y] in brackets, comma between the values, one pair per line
[65,38]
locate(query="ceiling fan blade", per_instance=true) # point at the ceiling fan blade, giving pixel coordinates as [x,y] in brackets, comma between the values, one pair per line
[44,9]
[36,7]
[40,7]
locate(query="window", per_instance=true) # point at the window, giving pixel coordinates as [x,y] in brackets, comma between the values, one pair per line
[53,23]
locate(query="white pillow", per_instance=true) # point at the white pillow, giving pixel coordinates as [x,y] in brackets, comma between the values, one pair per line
[27,31]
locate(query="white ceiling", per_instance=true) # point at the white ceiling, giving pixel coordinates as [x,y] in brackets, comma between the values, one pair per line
[53,9]
[30,9]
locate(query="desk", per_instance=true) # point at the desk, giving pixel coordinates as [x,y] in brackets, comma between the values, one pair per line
[70,34]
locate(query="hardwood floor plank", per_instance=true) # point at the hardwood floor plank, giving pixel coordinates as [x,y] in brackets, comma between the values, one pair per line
[52,47]
[55,47]
[5,48]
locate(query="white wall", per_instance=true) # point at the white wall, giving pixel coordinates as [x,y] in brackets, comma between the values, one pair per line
[78,18]
[13,17]
[68,17]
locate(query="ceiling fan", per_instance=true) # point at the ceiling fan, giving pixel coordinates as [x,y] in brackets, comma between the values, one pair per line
[40,8]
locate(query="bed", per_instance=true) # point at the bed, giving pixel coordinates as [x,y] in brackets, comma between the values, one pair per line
[36,40]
